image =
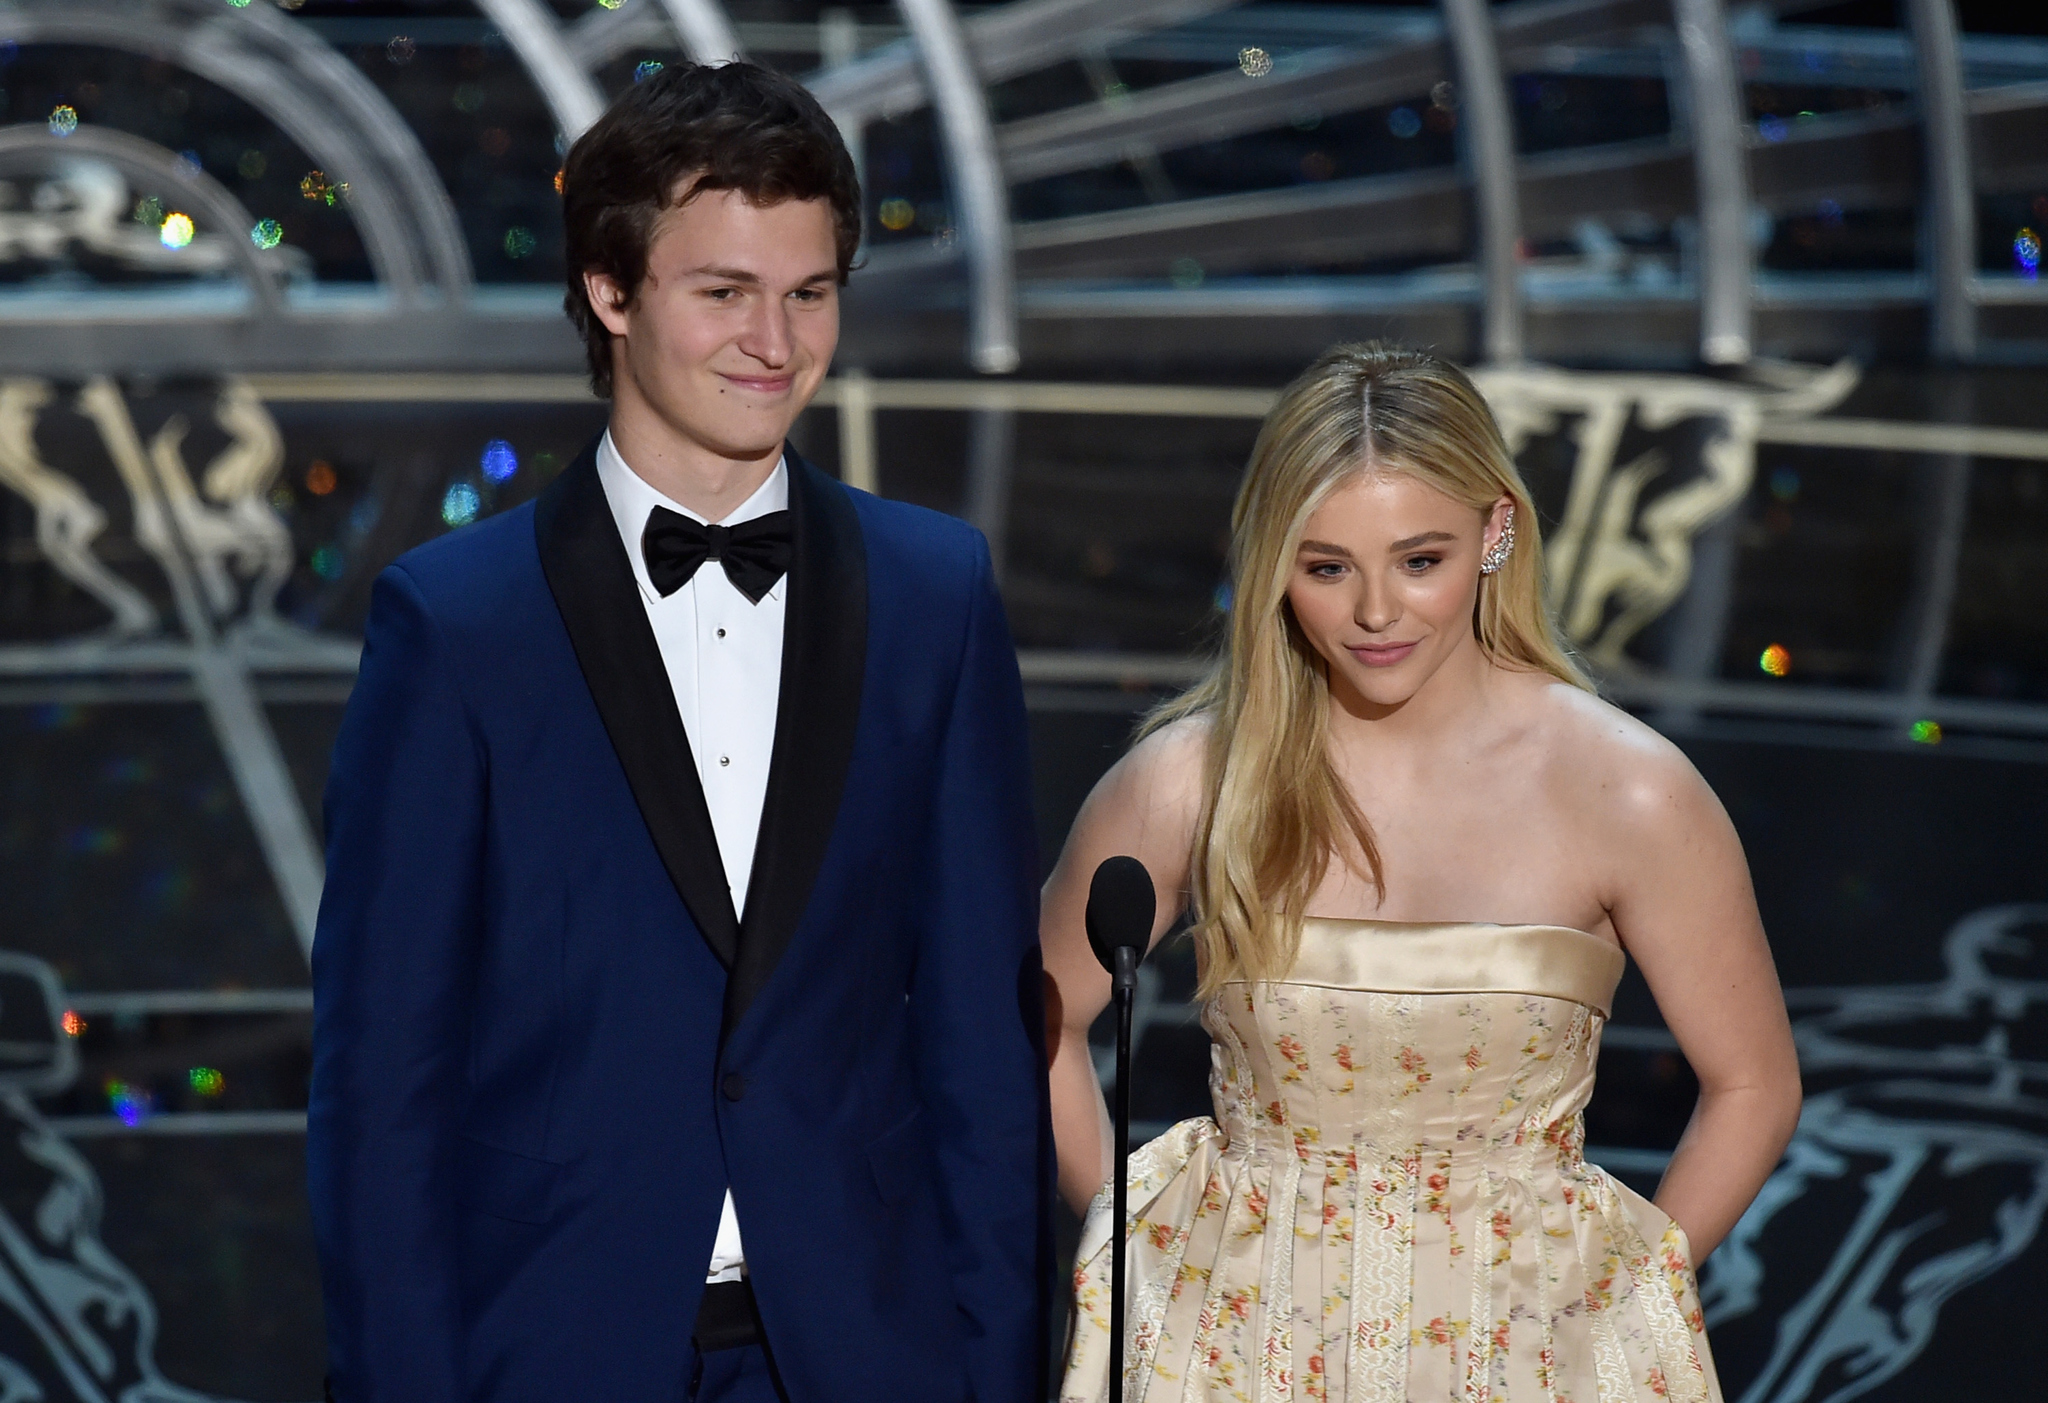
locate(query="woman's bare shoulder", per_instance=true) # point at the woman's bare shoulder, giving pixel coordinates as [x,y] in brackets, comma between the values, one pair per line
[1163,771]
[1613,768]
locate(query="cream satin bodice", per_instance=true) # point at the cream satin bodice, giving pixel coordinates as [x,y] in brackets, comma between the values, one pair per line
[1358,1046]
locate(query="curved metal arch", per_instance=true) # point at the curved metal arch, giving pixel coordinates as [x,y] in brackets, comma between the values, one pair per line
[315,95]
[136,157]
[538,41]
[706,33]
[1489,143]
[1720,156]
[980,194]
[1951,185]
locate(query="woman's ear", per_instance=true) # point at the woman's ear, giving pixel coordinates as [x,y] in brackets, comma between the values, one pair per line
[1497,518]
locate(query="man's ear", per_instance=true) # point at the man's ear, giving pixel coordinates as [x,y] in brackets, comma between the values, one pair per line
[608,300]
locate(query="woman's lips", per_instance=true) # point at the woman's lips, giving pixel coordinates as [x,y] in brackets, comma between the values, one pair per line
[1382,654]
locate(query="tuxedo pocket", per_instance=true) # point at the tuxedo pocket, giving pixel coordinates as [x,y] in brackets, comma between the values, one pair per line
[505,1184]
[897,1157]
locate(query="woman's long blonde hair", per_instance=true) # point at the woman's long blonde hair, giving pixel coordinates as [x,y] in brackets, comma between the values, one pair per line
[1275,813]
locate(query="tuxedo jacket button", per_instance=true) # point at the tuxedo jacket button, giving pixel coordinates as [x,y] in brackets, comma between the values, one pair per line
[734,1086]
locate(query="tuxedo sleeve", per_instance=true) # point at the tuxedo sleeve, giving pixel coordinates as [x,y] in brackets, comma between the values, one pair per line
[977,999]
[392,955]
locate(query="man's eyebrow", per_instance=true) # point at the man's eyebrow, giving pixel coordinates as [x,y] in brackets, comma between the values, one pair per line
[1324,548]
[1427,537]
[726,275]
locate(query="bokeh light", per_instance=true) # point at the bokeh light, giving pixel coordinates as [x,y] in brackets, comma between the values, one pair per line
[251,164]
[1776,660]
[646,69]
[1784,484]
[499,461]
[2026,252]
[460,504]
[328,562]
[519,242]
[207,1081]
[72,1024]
[268,233]
[897,214]
[63,119]
[1403,122]
[313,185]
[320,477]
[401,49]
[1926,732]
[1254,62]
[1186,273]
[149,212]
[133,1104]
[177,230]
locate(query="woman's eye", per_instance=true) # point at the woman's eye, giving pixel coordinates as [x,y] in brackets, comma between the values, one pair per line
[1416,564]
[1326,569]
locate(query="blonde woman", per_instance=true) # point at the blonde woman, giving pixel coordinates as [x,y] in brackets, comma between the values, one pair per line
[1418,850]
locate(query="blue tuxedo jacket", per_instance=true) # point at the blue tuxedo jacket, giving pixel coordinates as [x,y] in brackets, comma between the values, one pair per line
[544,1046]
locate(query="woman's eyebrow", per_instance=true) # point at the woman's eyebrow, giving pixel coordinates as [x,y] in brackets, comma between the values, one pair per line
[1426,538]
[1324,548]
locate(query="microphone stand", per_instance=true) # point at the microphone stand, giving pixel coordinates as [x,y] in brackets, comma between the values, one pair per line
[1124,987]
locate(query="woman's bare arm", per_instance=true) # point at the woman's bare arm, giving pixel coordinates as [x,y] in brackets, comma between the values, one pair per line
[1146,807]
[1684,908]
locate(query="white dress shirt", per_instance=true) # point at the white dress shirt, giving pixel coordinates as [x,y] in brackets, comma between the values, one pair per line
[723,654]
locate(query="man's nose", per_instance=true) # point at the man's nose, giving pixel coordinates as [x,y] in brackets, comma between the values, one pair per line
[767,336]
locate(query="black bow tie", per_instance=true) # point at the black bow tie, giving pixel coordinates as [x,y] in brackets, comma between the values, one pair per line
[755,553]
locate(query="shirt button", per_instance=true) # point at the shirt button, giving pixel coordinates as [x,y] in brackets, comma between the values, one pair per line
[724,760]
[734,1086]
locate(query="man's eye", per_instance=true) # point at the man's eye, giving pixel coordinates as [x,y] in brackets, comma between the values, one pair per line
[807,294]
[722,294]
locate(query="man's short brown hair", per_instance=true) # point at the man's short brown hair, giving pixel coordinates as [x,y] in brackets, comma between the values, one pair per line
[690,128]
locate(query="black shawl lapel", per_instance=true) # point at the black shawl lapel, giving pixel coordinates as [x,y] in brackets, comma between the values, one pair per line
[592,581]
[824,656]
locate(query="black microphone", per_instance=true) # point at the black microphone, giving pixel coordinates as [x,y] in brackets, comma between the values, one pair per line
[1121,906]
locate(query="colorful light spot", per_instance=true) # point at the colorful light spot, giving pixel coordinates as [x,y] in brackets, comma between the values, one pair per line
[1776,660]
[1186,273]
[401,49]
[177,231]
[1771,127]
[1925,732]
[468,97]
[1403,122]
[314,185]
[320,479]
[239,4]
[149,211]
[133,1104]
[268,233]
[327,563]
[646,69]
[1784,484]
[460,504]
[207,1081]
[519,242]
[897,214]
[1254,62]
[558,181]
[610,4]
[499,461]
[63,119]
[2026,252]
[72,1024]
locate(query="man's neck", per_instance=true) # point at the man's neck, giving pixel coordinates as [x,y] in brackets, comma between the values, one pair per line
[711,484]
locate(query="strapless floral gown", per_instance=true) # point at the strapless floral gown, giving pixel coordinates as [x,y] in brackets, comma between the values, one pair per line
[1391,1204]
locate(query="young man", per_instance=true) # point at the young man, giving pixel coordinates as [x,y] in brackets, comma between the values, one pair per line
[677,985]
